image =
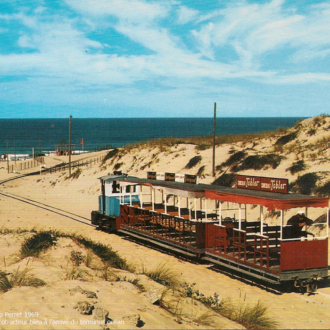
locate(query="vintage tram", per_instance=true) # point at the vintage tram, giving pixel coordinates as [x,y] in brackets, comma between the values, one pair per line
[222,225]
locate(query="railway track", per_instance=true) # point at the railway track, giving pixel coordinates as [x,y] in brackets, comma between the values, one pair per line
[50,208]
[44,206]
[74,164]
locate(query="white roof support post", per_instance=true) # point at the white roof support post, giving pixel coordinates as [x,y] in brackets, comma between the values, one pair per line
[165,203]
[195,208]
[189,208]
[262,219]
[281,224]
[220,213]
[205,204]
[179,205]
[239,217]
[130,198]
[141,197]
[153,198]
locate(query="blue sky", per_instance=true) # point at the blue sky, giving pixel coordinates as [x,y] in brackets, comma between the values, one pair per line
[165,58]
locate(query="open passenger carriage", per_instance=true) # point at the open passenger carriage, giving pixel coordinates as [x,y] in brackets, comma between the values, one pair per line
[223,225]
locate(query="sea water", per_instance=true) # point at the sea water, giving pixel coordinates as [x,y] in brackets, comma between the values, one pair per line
[24,135]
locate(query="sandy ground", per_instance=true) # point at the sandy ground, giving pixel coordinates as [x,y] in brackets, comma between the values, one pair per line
[55,301]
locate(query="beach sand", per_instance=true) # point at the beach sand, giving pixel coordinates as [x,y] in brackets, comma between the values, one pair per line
[55,302]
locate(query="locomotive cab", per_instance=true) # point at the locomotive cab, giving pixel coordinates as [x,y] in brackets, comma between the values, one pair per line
[114,192]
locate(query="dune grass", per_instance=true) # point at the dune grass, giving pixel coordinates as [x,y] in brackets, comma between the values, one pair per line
[89,258]
[19,278]
[43,240]
[193,162]
[297,166]
[75,273]
[258,162]
[251,317]
[111,154]
[109,274]
[163,274]
[201,171]
[206,318]
[226,179]
[39,242]
[201,142]
[254,317]
[5,231]
[104,252]
[234,158]
[305,184]
[324,190]
[286,139]
[75,174]
[76,258]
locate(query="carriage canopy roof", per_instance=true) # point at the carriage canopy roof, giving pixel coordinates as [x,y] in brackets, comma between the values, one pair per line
[270,200]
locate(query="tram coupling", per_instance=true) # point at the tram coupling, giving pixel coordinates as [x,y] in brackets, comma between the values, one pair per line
[309,285]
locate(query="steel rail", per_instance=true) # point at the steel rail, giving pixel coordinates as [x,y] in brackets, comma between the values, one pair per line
[50,208]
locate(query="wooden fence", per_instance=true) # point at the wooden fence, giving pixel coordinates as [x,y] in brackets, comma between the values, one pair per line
[26,164]
[79,163]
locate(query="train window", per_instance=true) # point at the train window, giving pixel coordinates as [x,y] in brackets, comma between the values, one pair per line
[115,187]
[130,189]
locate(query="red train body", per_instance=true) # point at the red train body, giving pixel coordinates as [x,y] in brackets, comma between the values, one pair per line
[225,226]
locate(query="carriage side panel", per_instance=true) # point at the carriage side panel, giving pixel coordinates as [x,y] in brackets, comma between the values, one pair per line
[296,255]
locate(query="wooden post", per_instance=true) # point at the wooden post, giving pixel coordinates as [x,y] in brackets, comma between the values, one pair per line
[15,152]
[70,145]
[261,219]
[214,134]
[7,158]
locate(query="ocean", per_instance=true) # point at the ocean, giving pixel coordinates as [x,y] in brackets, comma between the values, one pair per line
[22,135]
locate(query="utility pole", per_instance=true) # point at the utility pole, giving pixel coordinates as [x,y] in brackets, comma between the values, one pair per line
[214,134]
[70,146]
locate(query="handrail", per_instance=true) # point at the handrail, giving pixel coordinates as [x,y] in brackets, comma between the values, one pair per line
[260,251]
[222,226]
[263,236]
[304,239]
[241,230]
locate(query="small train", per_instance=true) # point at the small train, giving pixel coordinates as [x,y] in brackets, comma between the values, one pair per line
[248,230]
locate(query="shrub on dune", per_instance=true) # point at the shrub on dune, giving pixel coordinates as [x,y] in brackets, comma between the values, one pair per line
[193,162]
[39,242]
[19,278]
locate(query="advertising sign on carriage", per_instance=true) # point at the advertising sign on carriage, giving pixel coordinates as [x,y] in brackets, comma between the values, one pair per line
[261,183]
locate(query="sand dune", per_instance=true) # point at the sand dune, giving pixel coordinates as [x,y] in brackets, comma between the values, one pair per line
[54,302]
